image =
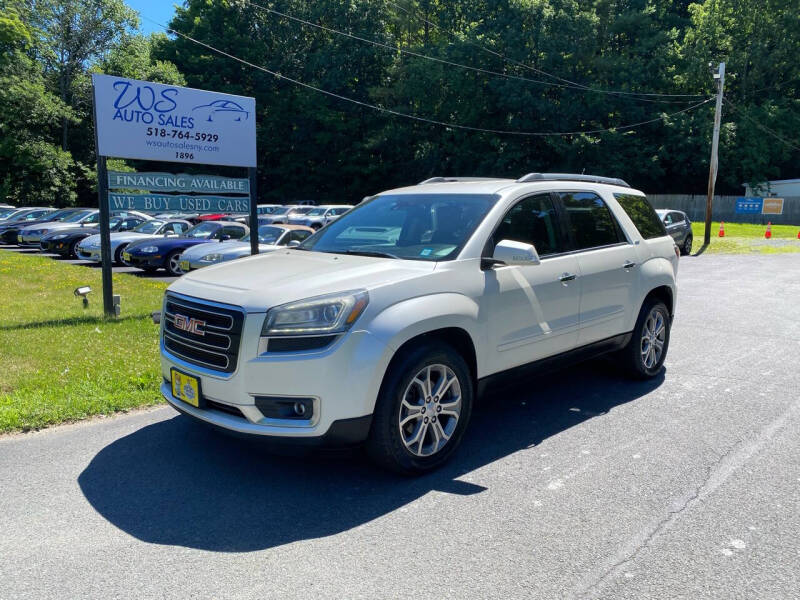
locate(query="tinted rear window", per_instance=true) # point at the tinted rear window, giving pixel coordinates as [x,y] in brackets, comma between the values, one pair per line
[643,215]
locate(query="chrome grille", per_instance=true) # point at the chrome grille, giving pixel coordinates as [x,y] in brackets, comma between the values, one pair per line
[202,334]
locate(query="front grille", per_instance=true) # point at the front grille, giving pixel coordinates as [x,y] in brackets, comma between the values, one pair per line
[203,334]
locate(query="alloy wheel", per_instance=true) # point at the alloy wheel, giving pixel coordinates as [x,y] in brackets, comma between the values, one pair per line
[654,336]
[430,409]
[175,264]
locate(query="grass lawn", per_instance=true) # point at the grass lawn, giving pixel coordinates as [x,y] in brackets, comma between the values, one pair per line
[744,238]
[60,362]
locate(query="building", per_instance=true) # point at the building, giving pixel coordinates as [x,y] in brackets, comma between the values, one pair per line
[781,188]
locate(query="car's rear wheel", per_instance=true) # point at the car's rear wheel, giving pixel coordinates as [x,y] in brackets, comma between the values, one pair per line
[686,249]
[173,263]
[422,411]
[644,355]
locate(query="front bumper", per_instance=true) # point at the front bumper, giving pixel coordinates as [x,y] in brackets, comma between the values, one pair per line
[55,246]
[92,254]
[146,261]
[343,379]
[29,240]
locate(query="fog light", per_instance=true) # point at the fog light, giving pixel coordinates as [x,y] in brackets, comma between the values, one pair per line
[282,407]
[299,409]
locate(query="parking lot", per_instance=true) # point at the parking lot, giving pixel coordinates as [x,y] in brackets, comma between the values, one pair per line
[580,484]
[157,276]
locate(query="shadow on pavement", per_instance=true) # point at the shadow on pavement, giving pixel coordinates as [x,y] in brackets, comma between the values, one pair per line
[177,482]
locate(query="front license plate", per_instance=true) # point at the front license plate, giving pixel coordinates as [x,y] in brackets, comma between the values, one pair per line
[186,388]
[19,238]
[126,256]
[185,265]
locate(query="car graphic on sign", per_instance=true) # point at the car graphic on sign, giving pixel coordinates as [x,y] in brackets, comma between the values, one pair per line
[221,110]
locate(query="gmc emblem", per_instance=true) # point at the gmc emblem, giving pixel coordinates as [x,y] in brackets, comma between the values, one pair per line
[194,326]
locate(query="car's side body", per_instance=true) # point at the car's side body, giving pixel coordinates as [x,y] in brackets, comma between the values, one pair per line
[201,256]
[158,253]
[89,248]
[498,316]
[679,226]
[65,242]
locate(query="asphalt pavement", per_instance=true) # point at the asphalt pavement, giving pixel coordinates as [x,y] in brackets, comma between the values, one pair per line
[580,484]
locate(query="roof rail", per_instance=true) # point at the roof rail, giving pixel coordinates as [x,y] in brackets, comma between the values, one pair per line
[456,179]
[571,177]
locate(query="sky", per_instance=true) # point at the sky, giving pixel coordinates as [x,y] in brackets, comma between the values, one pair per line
[158,10]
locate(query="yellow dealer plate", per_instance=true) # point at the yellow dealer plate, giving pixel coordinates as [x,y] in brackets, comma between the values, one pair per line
[126,256]
[185,387]
[185,266]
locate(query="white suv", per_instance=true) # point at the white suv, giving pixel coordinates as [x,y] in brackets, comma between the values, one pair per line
[380,327]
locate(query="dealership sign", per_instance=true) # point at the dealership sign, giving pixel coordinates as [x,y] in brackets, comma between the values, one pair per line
[152,121]
[166,203]
[168,182]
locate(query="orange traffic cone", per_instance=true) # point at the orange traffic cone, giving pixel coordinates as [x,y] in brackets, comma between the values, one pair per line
[768,232]
[798,235]
[722,229]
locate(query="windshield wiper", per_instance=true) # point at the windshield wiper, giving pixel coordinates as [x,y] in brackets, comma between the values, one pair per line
[374,253]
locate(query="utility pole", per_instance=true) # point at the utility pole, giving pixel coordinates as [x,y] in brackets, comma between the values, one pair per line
[719,78]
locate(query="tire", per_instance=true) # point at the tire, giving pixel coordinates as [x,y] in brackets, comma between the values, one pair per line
[647,363]
[686,248]
[404,397]
[73,250]
[171,263]
[118,255]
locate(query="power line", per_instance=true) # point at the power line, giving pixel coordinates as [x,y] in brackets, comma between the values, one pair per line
[566,82]
[428,57]
[416,117]
[763,128]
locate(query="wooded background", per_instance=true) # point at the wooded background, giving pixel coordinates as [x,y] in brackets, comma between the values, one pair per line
[535,66]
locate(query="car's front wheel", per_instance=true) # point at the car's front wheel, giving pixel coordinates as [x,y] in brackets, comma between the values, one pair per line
[645,354]
[173,264]
[118,254]
[422,410]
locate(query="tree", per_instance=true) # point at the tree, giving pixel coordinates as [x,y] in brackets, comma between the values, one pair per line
[74,33]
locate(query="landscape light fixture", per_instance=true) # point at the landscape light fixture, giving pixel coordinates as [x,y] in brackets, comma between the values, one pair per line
[83,292]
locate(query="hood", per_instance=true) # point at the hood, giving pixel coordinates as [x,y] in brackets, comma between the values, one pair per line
[165,244]
[196,252]
[89,231]
[260,282]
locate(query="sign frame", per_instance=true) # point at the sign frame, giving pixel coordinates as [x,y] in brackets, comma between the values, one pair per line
[104,200]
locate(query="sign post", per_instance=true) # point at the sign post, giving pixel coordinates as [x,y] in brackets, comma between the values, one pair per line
[151,121]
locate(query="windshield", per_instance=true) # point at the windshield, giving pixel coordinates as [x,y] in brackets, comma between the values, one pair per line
[267,210]
[114,221]
[5,212]
[60,215]
[203,230]
[148,227]
[74,218]
[415,227]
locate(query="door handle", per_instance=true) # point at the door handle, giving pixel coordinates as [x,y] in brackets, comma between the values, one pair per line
[629,265]
[567,277]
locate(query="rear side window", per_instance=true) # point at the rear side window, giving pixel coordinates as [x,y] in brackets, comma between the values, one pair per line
[643,215]
[532,220]
[590,220]
[234,232]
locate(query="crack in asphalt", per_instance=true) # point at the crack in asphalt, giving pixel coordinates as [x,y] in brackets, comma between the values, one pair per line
[716,474]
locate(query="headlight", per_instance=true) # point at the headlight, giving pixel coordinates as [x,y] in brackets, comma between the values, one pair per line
[149,250]
[60,236]
[323,315]
[212,257]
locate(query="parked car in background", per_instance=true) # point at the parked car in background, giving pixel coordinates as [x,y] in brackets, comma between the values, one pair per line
[320,216]
[89,249]
[379,327]
[283,214]
[165,253]
[10,234]
[22,217]
[65,242]
[32,235]
[679,227]
[266,209]
[270,237]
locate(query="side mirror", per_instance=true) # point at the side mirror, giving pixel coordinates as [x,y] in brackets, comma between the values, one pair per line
[293,244]
[224,237]
[509,252]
